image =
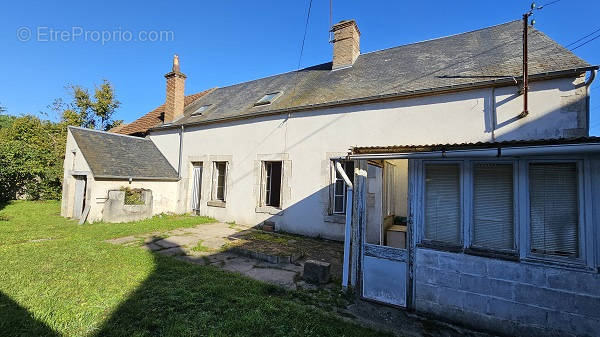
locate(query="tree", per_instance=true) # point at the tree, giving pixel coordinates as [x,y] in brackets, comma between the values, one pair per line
[85,110]
[31,156]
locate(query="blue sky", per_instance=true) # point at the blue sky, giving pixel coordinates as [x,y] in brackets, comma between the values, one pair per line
[226,42]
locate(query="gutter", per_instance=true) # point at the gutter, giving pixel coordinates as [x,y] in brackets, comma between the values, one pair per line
[499,151]
[134,178]
[180,151]
[505,81]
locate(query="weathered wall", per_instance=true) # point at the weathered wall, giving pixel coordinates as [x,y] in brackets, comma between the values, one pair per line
[115,209]
[74,162]
[510,297]
[309,139]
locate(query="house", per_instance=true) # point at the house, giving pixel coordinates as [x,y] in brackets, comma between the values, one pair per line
[455,202]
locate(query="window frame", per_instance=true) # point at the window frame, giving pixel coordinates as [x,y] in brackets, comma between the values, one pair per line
[334,181]
[201,194]
[215,181]
[469,245]
[263,183]
[423,241]
[582,227]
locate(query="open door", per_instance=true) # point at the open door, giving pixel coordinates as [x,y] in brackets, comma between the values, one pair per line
[79,199]
[385,237]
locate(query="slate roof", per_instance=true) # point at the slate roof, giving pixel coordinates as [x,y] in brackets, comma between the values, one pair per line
[153,118]
[481,57]
[111,155]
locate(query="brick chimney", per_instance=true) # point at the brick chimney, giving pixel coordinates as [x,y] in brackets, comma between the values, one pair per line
[175,92]
[346,43]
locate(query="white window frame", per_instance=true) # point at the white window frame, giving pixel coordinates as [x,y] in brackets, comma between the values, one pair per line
[584,233]
[215,181]
[471,202]
[198,189]
[333,195]
[463,204]
[267,189]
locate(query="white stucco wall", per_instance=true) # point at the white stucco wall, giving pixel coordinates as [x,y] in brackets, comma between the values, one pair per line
[310,138]
[74,162]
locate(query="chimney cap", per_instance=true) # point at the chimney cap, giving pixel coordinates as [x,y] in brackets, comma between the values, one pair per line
[175,70]
[344,24]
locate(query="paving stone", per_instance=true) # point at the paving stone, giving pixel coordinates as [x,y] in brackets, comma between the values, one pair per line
[239,264]
[192,259]
[316,272]
[166,243]
[274,276]
[152,247]
[172,251]
[182,240]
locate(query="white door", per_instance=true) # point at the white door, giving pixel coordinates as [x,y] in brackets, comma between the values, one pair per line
[79,200]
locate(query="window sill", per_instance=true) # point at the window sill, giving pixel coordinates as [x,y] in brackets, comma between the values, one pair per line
[335,218]
[575,264]
[440,246]
[508,256]
[269,210]
[216,203]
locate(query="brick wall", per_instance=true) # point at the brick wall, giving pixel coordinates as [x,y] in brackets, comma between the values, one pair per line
[508,297]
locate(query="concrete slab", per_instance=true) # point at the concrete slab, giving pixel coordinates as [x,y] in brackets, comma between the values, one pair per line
[279,277]
[183,240]
[166,243]
[192,259]
[172,251]
[238,264]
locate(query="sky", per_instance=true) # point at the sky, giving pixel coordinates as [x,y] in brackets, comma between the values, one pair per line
[47,45]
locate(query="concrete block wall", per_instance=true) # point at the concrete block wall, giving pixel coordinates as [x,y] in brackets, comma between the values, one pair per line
[507,297]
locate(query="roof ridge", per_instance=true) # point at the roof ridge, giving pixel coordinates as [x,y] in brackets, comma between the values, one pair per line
[106,132]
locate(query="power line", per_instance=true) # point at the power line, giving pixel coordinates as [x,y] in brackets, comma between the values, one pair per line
[305,30]
[548,4]
[586,42]
[590,34]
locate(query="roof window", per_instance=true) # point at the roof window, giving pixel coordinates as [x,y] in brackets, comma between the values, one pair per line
[268,98]
[201,109]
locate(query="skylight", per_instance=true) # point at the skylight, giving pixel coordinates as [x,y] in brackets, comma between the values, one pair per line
[268,98]
[201,109]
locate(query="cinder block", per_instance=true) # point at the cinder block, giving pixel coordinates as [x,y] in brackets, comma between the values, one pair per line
[504,270]
[502,289]
[569,280]
[586,305]
[426,292]
[448,279]
[425,274]
[475,284]
[476,302]
[316,272]
[451,297]
[576,324]
[426,257]
[517,312]
[449,262]
[546,298]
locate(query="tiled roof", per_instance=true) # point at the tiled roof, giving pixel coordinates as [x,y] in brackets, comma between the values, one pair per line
[111,155]
[471,146]
[152,118]
[482,57]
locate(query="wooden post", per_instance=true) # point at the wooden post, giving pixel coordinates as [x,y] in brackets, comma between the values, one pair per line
[359,216]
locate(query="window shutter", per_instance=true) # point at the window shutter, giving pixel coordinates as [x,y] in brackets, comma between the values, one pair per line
[554,208]
[493,207]
[197,187]
[442,203]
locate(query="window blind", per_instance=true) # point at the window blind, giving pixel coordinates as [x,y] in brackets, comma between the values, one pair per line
[493,207]
[554,208]
[442,203]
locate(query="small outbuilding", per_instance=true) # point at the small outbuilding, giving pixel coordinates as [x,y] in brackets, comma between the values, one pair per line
[112,177]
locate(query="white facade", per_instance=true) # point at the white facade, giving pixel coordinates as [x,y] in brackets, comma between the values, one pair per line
[305,141]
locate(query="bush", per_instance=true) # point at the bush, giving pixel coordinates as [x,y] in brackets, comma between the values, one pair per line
[133,196]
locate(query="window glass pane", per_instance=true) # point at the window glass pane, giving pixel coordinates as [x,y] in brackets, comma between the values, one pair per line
[442,203]
[493,206]
[339,204]
[554,209]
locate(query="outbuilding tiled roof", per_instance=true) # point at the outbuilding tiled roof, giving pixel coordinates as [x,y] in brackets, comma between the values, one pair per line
[482,57]
[153,118]
[111,155]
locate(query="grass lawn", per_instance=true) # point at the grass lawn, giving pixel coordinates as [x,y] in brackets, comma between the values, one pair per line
[60,278]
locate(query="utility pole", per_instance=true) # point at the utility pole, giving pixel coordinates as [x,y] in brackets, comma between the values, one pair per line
[525,91]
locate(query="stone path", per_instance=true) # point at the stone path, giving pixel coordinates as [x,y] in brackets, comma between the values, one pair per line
[220,246]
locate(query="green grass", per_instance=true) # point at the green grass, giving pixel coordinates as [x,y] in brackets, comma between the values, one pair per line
[268,237]
[200,247]
[59,278]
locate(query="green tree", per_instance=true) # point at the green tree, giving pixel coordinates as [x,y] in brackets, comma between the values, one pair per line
[90,111]
[31,155]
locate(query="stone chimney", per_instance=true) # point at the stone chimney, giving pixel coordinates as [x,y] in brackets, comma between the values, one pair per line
[174,103]
[346,43]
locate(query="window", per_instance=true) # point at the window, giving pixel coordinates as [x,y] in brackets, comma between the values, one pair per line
[553,209]
[340,188]
[442,203]
[197,186]
[268,98]
[219,180]
[271,183]
[493,208]
[201,109]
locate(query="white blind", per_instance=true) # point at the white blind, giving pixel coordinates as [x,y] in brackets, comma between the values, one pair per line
[442,203]
[493,222]
[554,208]
[197,187]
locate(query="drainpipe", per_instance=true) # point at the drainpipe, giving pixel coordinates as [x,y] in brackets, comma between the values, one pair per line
[348,225]
[587,88]
[180,151]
